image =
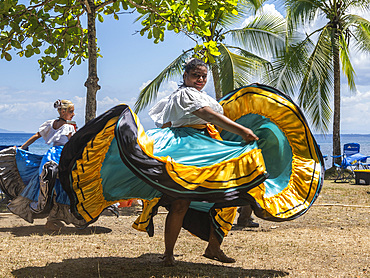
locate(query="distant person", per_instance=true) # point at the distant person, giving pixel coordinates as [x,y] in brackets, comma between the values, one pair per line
[40,192]
[245,218]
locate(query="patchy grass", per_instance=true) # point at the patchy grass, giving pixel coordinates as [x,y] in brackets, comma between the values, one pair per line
[330,240]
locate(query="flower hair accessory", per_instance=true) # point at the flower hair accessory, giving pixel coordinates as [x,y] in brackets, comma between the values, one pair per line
[187,61]
[57,104]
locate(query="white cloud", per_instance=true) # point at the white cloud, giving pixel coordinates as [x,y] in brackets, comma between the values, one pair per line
[167,89]
[22,110]
[266,9]
[106,103]
[356,113]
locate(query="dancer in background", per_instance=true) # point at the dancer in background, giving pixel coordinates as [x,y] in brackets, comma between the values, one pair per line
[37,192]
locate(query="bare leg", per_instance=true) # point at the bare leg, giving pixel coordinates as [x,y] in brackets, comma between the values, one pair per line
[213,250]
[245,217]
[172,229]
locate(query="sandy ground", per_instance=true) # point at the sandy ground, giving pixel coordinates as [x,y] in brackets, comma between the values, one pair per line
[331,240]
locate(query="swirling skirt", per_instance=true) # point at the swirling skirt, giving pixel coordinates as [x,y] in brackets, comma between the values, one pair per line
[30,182]
[112,158]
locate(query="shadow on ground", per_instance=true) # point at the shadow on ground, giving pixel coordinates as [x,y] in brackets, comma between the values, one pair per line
[147,265]
[40,230]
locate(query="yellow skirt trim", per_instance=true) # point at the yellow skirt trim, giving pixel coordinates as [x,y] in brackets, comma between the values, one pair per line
[227,174]
[87,181]
[306,170]
[86,175]
[225,218]
[142,222]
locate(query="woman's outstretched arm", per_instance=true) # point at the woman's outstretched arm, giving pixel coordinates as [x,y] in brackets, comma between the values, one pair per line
[32,139]
[206,113]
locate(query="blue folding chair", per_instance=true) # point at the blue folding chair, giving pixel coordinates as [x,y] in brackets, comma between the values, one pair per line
[351,160]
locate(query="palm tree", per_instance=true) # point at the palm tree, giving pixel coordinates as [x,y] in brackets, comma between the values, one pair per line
[236,64]
[328,55]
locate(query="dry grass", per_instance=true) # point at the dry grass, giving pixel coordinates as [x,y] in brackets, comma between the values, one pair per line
[328,241]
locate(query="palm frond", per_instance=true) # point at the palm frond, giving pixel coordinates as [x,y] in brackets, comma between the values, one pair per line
[317,84]
[245,8]
[149,93]
[286,71]
[236,69]
[265,34]
[361,31]
[303,11]
[347,67]
[363,5]
[248,66]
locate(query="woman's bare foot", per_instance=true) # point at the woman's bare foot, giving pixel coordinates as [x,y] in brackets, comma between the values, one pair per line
[218,255]
[168,260]
[54,225]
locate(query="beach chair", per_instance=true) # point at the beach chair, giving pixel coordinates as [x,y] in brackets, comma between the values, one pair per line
[351,160]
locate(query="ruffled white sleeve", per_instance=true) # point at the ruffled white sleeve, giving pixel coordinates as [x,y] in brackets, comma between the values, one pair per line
[68,129]
[46,129]
[183,102]
[56,137]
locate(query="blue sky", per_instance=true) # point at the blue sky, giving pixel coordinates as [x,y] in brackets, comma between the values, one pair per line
[129,61]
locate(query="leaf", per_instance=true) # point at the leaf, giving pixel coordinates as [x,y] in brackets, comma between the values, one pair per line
[28,53]
[207,32]
[54,75]
[156,32]
[124,5]
[16,44]
[193,5]
[100,18]
[7,56]
[149,93]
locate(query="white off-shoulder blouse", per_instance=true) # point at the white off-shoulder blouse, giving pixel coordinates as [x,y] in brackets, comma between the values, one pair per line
[59,137]
[178,107]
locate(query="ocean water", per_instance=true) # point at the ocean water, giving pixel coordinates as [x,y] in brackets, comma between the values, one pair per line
[18,139]
[326,145]
[325,142]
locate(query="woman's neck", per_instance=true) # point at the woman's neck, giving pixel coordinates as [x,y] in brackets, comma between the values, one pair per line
[64,120]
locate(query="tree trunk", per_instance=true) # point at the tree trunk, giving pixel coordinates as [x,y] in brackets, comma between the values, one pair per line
[92,81]
[216,80]
[336,118]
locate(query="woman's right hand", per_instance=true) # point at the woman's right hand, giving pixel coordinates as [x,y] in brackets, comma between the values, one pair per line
[248,135]
[206,113]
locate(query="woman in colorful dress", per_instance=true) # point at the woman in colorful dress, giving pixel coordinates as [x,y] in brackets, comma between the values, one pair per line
[35,190]
[264,156]
[190,106]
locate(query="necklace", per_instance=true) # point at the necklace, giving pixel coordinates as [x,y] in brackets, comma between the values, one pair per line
[62,119]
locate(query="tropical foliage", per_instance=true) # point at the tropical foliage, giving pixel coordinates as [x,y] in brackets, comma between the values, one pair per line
[232,64]
[55,30]
[323,54]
